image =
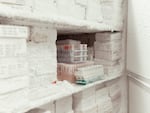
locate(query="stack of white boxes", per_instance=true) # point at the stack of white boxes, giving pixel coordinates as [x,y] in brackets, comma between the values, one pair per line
[108,52]
[14,79]
[76,10]
[67,71]
[103,101]
[42,61]
[89,74]
[112,12]
[109,11]
[49,107]
[94,6]
[45,8]
[114,90]
[64,105]
[84,101]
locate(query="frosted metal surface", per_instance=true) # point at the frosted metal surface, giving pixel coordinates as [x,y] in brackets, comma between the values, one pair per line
[139,98]
[138,44]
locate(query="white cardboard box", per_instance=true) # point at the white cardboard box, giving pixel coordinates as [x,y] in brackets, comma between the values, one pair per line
[82,99]
[76,11]
[112,12]
[41,66]
[105,106]
[12,47]
[65,7]
[108,46]
[49,106]
[13,84]
[41,53]
[45,8]
[11,31]
[43,34]
[101,93]
[88,109]
[42,92]
[107,37]
[14,100]
[11,67]
[64,105]
[110,56]
[93,12]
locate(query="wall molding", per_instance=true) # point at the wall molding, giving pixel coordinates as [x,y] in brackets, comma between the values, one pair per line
[139,80]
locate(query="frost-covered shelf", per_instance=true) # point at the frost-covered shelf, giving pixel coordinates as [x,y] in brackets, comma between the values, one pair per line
[62,24]
[61,93]
[79,88]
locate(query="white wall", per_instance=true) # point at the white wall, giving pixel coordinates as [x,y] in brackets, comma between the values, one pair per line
[139,98]
[138,54]
[138,51]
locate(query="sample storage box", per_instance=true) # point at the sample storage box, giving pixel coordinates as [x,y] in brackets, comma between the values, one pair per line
[41,49]
[38,81]
[89,109]
[43,34]
[115,95]
[106,55]
[105,106]
[71,51]
[101,93]
[42,65]
[42,52]
[116,105]
[107,37]
[108,52]
[103,100]
[9,101]
[67,71]
[46,7]
[64,105]
[14,79]
[78,11]
[12,47]
[112,12]
[75,10]
[13,50]
[93,6]
[89,74]
[49,107]
[108,46]
[114,91]
[13,84]
[13,67]
[111,68]
[82,99]
[43,92]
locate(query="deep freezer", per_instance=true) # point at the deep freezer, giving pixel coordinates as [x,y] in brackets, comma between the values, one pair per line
[103,45]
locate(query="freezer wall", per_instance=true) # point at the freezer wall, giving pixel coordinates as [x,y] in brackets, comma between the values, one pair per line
[139,97]
[138,55]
